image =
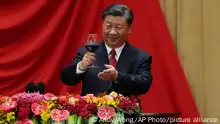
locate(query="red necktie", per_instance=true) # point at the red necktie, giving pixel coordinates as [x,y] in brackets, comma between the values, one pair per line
[112,59]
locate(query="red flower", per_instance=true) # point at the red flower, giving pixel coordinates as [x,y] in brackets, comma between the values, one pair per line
[70,108]
[23,113]
[128,103]
[91,107]
[63,100]
[125,103]
[134,99]
[82,107]
[80,104]
[83,112]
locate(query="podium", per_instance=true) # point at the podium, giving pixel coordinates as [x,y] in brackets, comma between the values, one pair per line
[152,118]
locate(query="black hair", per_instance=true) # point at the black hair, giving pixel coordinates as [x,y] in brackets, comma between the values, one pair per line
[119,10]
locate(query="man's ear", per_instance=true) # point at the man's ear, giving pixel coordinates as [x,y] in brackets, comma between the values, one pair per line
[129,29]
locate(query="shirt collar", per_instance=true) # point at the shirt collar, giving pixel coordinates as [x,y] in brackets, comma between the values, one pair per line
[118,50]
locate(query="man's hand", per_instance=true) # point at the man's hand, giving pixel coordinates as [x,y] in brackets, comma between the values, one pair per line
[109,74]
[87,60]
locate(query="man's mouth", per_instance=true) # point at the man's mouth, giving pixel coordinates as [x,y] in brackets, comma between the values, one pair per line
[113,37]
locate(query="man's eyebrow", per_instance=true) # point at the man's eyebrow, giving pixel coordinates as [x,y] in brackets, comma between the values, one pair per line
[108,22]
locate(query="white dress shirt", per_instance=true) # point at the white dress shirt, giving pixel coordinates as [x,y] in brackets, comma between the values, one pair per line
[118,53]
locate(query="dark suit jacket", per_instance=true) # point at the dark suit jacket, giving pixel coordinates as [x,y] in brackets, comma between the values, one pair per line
[133,66]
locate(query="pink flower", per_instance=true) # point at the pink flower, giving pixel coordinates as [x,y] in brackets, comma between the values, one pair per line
[4,99]
[25,121]
[8,105]
[105,112]
[89,95]
[72,101]
[51,96]
[38,108]
[107,97]
[59,115]
[136,105]
[26,99]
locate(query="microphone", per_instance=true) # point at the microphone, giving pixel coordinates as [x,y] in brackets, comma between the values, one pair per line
[30,87]
[40,87]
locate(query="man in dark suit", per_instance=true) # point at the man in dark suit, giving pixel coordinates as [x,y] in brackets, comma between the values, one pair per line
[123,68]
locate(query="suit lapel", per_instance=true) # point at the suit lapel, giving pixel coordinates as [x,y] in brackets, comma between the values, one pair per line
[102,56]
[125,59]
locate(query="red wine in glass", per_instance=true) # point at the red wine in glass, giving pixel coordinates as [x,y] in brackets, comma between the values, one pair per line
[92,46]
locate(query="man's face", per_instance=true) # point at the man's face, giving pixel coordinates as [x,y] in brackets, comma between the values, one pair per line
[115,30]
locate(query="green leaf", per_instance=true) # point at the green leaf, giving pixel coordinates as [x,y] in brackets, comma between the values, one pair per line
[72,119]
[79,120]
[93,119]
[122,118]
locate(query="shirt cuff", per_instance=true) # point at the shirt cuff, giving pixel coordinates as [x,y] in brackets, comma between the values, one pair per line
[78,71]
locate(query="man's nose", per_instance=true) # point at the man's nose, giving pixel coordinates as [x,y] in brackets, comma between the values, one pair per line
[112,31]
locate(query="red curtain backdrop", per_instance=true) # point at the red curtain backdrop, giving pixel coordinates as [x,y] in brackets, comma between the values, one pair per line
[39,37]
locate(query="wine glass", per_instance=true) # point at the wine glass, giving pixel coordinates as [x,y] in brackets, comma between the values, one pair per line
[92,45]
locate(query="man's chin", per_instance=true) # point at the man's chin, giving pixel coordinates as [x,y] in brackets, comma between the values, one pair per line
[113,41]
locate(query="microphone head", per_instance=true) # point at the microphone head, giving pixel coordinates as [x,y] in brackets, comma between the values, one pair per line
[30,87]
[40,87]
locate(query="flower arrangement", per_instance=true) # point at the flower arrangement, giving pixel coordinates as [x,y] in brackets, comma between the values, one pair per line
[34,108]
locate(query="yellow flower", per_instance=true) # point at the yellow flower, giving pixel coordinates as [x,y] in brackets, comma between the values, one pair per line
[114,94]
[51,105]
[76,100]
[113,103]
[110,102]
[45,115]
[95,100]
[2,122]
[7,117]
[100,101]
[89,100]
[10,116]
[117,101]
